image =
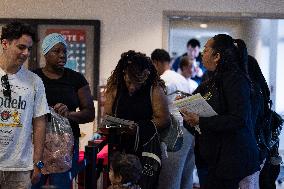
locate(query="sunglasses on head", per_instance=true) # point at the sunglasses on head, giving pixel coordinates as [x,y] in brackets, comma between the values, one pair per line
[6,86]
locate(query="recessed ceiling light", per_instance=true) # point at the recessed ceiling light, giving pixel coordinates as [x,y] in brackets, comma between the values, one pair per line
[203,25]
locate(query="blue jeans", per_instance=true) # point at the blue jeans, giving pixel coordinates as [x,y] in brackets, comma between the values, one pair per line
[62,180]
[177,169]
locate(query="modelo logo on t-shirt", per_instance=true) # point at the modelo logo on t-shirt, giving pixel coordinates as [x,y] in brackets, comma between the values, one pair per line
[13,103]
[9,114]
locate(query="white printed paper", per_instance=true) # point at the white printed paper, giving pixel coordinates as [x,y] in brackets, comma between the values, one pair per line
[196,104]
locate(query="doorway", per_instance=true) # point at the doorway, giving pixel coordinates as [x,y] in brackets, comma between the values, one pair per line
[264,38]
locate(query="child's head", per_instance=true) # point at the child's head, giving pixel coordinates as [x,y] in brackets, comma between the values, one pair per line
[187,67]
[124,168]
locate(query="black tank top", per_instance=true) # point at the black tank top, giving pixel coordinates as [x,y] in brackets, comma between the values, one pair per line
[137,107]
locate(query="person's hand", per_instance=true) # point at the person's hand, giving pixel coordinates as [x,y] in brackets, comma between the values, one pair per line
[131,130]
[198,71]
[190,118]
[96,136]
[36,174]
[61,109]
[178,97]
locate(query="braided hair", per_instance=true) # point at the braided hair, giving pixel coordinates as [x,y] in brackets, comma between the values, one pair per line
[139,68]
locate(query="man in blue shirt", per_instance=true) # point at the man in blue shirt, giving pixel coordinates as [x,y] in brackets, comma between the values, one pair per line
[193,52]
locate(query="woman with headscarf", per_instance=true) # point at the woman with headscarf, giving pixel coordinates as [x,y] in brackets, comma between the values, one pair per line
[66,90]
[226,150]
[135,92]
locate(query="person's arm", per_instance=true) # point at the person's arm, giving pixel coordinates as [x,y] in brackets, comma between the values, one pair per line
[39,124]
[107,107]
[161,115]
[236,101]
[235,97]
[87,110]
[109,100]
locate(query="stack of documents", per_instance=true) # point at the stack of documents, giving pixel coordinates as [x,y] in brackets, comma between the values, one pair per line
[196,104]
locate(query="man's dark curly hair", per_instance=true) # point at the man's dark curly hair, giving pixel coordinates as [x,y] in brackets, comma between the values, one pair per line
[134,64]
[15,30]
[193,43]
[127,166]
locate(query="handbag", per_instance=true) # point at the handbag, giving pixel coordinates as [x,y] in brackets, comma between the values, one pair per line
[151,161]
[172,136]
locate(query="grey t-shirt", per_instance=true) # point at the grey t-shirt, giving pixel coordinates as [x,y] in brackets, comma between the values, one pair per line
[28,101]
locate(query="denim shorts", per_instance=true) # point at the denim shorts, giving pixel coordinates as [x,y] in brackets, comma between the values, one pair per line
[15,179]
[61,180]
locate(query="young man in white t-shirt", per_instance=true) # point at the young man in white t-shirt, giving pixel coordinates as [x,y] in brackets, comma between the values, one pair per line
[187,68]
[22,110]
[177,169]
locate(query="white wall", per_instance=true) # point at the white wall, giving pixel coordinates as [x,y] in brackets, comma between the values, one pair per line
[128,24]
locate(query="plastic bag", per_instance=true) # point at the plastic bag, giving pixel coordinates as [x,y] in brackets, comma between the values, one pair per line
[58,146]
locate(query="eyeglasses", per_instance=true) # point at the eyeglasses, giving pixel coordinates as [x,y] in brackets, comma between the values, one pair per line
[6,86]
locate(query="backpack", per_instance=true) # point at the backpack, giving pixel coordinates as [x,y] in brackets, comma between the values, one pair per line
[273,122]
[267,131]
[268,124]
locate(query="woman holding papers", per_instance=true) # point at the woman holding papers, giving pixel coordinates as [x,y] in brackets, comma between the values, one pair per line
[135,92]
[226,149]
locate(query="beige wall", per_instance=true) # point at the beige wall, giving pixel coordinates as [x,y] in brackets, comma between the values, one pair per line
[129,24]
[182,30]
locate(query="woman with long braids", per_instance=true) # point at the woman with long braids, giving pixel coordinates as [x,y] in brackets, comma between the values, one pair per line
[226,150]
[135,92]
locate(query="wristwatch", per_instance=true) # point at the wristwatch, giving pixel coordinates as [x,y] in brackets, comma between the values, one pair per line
[39,164]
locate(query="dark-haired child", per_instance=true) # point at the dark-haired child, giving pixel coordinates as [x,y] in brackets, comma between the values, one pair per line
[125,171]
